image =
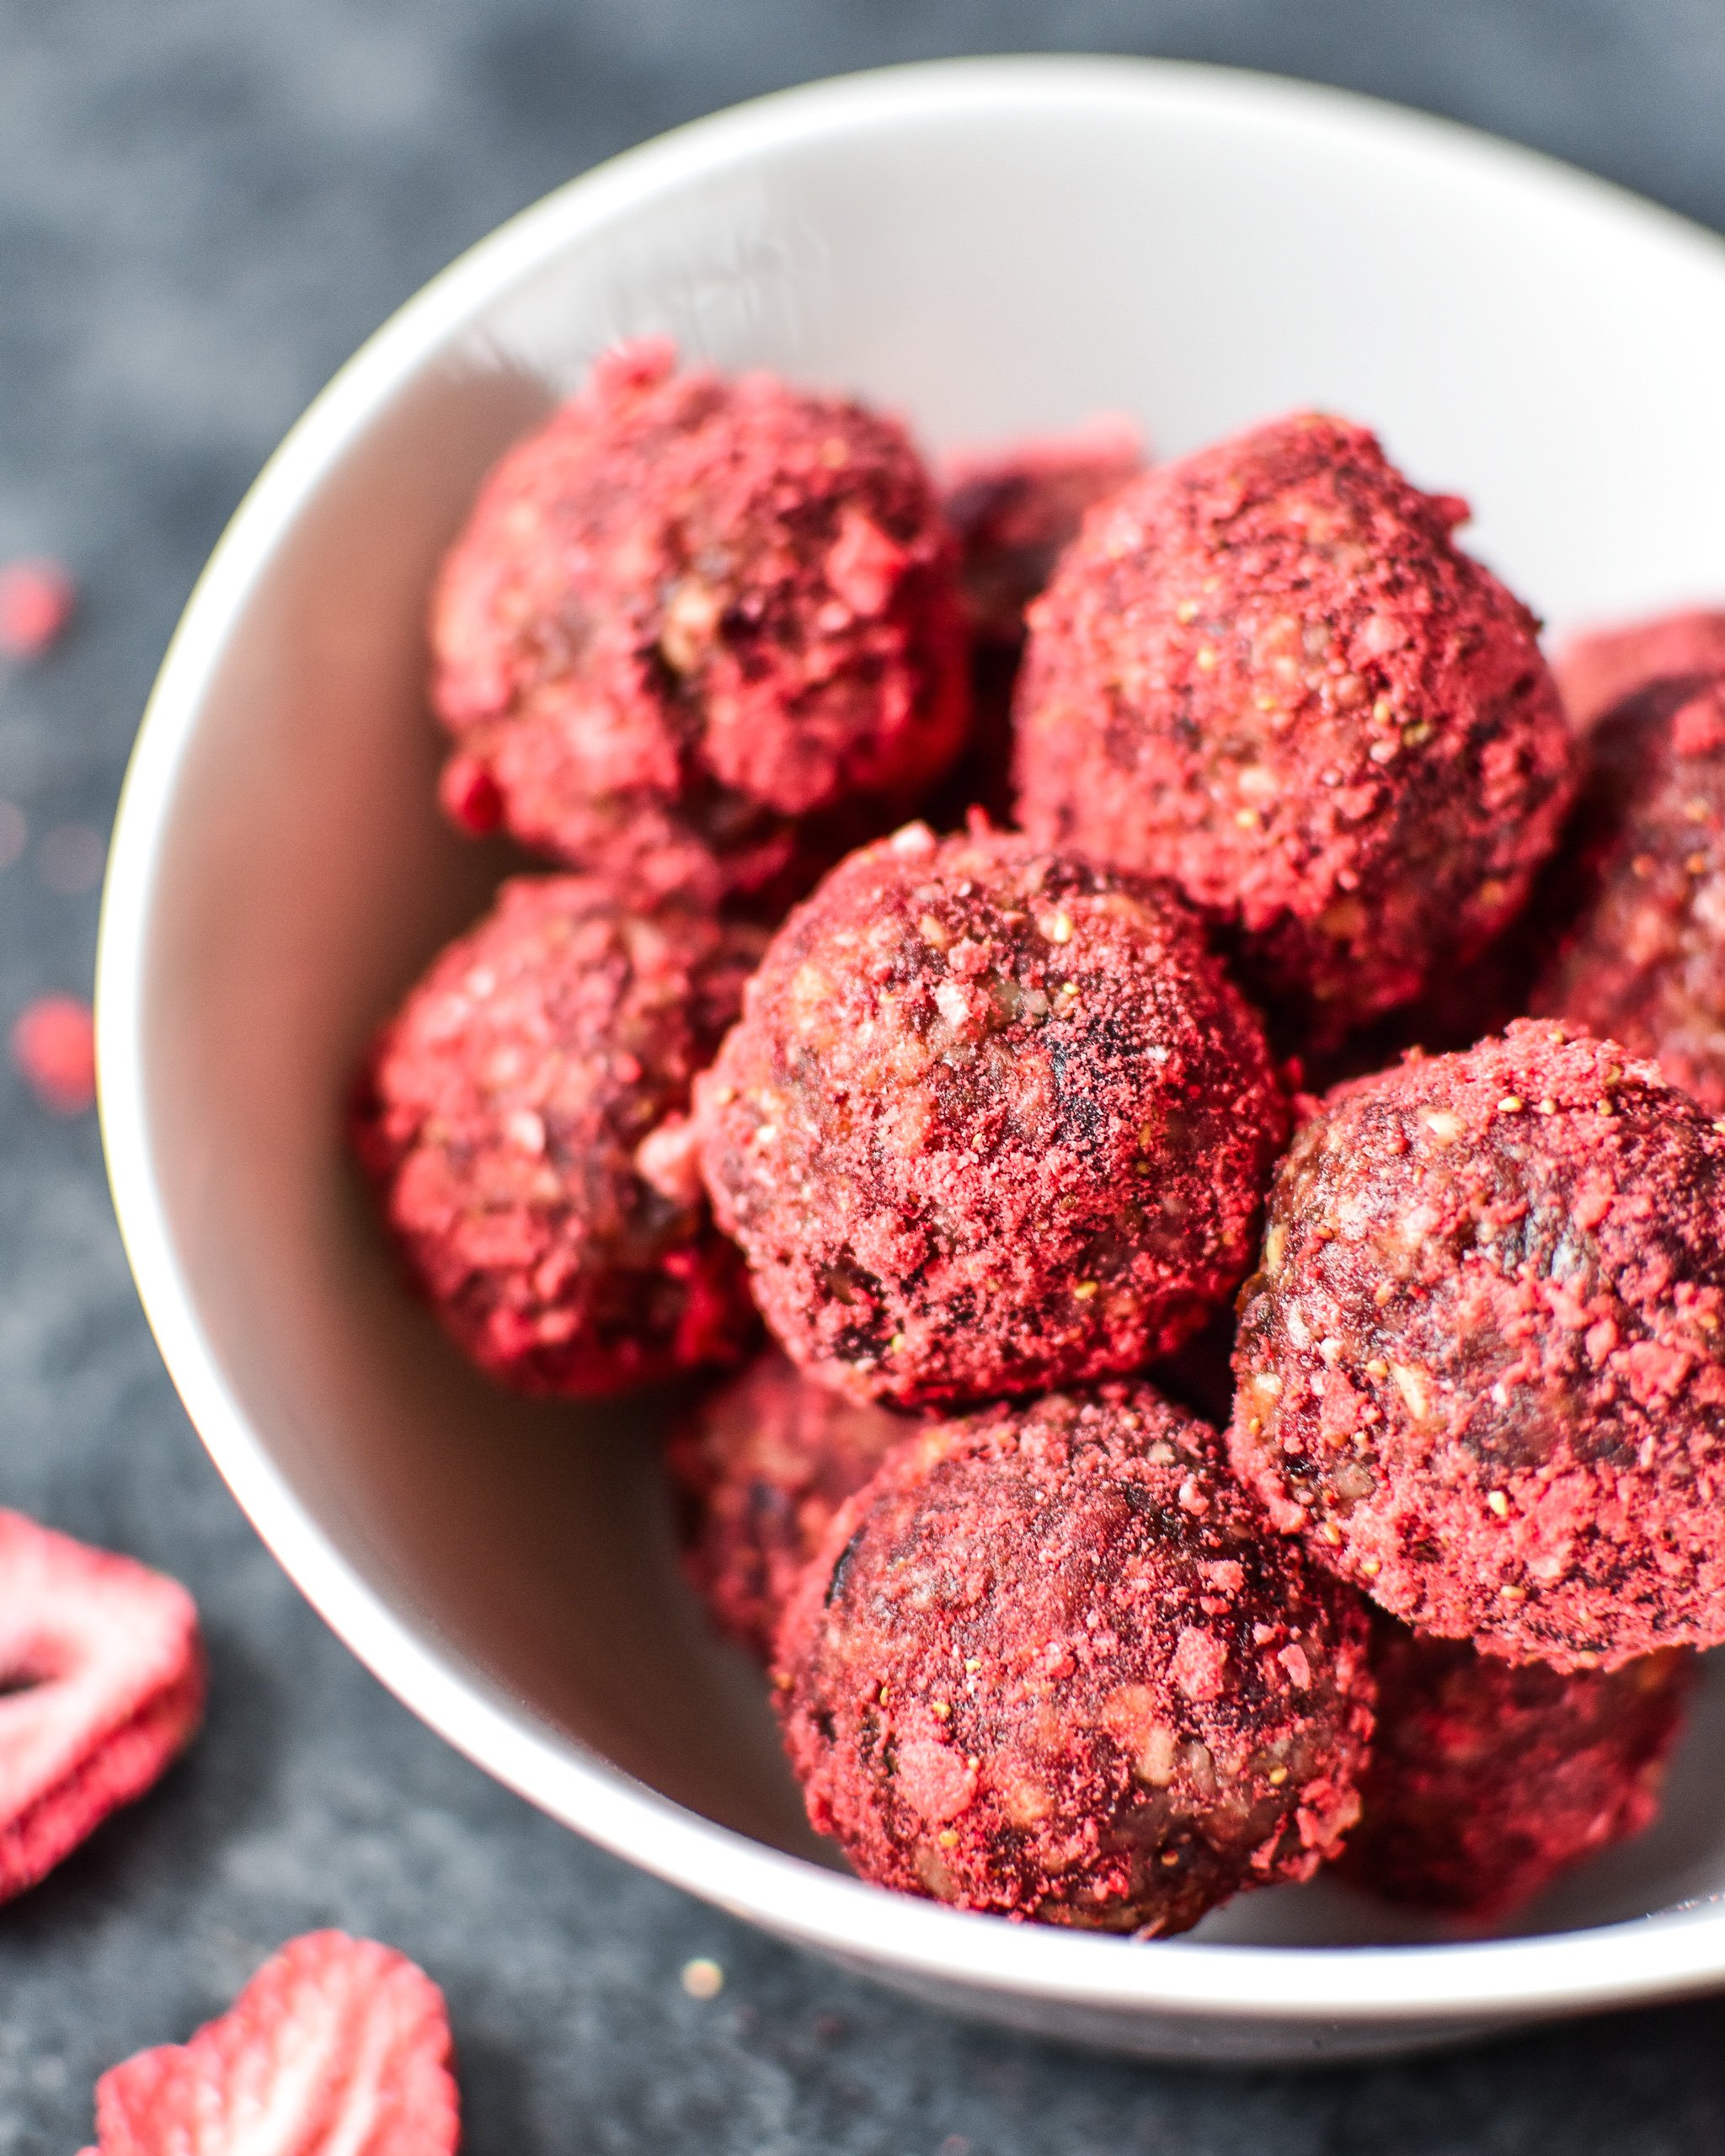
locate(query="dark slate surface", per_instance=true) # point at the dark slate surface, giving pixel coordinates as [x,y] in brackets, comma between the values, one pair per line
[205,205]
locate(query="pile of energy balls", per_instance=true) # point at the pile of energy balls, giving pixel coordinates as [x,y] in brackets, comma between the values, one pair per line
[1081,1116]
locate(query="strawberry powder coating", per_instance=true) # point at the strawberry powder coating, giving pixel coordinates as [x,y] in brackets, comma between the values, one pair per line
[1267,673]
[1050,1663]
[761,1466]
[523,1117]
[702,635]
[101,1688]
[1482,1365]
[992,1119]
[337,2046]
[1488,1779]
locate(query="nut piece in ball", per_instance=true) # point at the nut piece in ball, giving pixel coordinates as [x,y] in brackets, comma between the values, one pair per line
[992,1120]
[522,1116]
[1488,1779]
[760,1467]
[1267,673]
[1049,1663]
[700,635]
[1482,1365]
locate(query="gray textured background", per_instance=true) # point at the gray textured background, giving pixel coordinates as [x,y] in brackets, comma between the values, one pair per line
[205,205]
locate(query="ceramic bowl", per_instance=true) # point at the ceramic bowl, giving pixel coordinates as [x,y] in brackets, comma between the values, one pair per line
[988,248]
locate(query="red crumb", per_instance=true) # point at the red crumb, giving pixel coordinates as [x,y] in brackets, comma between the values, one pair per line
[1487,1779]
[1268,673]
[101,1686]
[1644,961]
[1050,1662]
[36,603]
[336,2044]
[54,1052]
[1595,672]
[1481,1367]
[700,635]
[993,1119]
[761,1466]
[523,1118]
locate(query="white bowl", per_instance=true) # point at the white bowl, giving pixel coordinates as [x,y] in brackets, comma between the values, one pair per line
[988,247]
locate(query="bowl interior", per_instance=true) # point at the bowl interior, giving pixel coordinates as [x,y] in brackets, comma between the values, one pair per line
[990,251]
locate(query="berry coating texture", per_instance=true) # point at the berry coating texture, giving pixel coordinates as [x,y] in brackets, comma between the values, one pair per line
[761,1466]
[101,1688]
[1267,673]
[337,2044]
[1645,961]
[1482,1366]
[992,1120]
[1488,1779]
[1049,1663]
[523,1118]
[1597,671]
[700,635]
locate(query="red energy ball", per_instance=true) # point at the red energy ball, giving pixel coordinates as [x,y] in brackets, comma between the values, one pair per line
[1268,673]
[1487,1779]
[699,634]
[1014,510]
[1644,962]
[1597,671]
[522,1116]
[1482,1365]
[993,1119]
[1049,1663]
[761,1466]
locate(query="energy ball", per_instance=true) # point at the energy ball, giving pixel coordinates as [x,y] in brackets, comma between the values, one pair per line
[1482,1366]
[1049,1663]
[1013,510]
[1595,672]
[761,1466]
[1487,1780]
[992,1120]
[1268,673]
[1645,962]
[523,1118]
[701,635]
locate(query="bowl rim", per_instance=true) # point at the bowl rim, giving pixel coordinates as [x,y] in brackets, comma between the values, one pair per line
[1667,1955]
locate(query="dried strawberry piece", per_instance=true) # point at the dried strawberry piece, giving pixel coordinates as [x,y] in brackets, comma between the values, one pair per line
[54,1048]
[36,600]
[337,2044]
[101,1685]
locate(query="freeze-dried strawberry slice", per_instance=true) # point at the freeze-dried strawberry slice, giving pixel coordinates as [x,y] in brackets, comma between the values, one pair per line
[337,2046]
[101,1683]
